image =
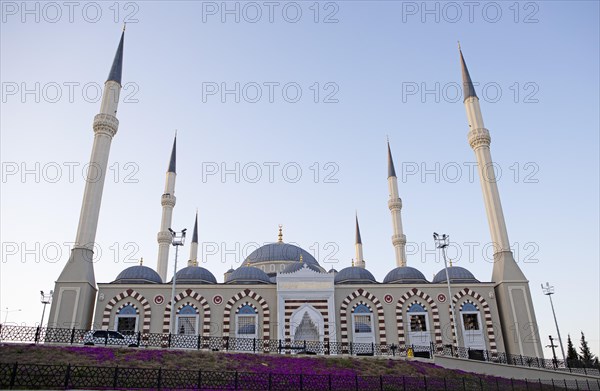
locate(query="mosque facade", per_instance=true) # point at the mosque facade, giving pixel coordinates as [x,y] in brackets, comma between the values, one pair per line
[281,292]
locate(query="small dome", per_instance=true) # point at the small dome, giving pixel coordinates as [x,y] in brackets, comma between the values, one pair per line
[195,275]
[280,252]
[332,270]
[248,275]
[457,274]
[404,275]
[354,275]
[138,274]
[294,267]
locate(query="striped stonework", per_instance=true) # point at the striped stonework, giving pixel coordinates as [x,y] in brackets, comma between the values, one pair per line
[435,315]
[321,306]
[266,321]
[200,299]
[487,316]
[121,296]
[380,318]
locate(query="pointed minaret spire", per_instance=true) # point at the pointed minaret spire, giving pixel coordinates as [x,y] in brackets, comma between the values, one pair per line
[391,169]
[117,67]
[395,205]
[167,201]
[173,159]
[194,245]
[513,296]
[468,89]
[75,289]
[360,262]
[358,239]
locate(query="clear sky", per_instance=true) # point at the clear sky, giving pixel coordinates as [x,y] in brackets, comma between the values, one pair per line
[365,70]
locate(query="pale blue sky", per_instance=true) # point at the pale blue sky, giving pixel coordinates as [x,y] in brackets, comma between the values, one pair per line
[544,128]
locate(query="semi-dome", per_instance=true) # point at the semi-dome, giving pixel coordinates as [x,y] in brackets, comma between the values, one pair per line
[294,267]
[404,275]
[457,274]
[138,274]
[195,275]
[248,275]
[354,275]
[279,251]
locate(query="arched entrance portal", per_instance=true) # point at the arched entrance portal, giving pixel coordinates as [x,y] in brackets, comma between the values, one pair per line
[307,330]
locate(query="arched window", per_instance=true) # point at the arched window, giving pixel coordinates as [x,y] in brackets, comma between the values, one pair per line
[246,321]
[187,320]
[471,326]
[126,320]
[363,319]
[362,324]
[470,316]
[417,317]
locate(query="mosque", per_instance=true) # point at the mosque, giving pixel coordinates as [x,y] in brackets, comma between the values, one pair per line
[280,292]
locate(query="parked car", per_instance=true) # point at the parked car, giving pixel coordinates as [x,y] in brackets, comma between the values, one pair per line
[109,337]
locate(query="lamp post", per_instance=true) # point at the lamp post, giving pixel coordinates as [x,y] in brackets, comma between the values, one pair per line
[45,299]
[549,291]
[442,243]
[177,239]
[7,312]
[552,345]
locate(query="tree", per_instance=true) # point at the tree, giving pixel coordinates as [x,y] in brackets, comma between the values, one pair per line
[571,352]
[586,354]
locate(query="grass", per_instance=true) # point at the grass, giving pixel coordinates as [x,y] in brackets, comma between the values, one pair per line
[219,362]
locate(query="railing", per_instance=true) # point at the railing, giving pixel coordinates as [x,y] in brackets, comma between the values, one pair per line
[14,375]
[198,342]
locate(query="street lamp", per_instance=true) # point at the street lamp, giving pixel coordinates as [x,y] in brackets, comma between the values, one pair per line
[177,239]
[552,345]
[442,243]
[549,291]
[45,299]
[7,311]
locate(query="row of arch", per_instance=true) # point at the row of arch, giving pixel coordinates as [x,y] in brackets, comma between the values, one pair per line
[414,294]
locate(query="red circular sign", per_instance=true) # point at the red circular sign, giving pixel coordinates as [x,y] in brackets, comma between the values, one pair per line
[441,297]
[388,298]
[159,299]
[217,299]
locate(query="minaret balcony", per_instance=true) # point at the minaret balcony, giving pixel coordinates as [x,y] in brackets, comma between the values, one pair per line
[106,124]
[398,240]
[395,204]
[168,200]
[479,138]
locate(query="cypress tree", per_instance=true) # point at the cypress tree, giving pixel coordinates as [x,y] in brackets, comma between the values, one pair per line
[586,354]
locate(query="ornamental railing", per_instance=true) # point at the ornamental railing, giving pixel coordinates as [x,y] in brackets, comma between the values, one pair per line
[36,376]
[9,333]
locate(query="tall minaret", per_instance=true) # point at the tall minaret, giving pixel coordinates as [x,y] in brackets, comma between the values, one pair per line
[75,290]
[194,246]
[168,203]
[395,205]
[519,329]
[360,261]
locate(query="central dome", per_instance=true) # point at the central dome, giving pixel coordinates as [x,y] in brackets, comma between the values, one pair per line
[279,252]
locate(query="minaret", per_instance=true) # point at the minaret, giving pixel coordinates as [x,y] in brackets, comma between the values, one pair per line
[168,203]
[395,205]
[519,329]
[75,290]
[194,246]
[360,262]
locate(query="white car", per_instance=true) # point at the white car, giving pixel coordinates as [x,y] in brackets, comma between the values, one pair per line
[109,337]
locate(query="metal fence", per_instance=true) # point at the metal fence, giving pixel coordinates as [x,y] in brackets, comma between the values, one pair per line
[198,342]
[32,376]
